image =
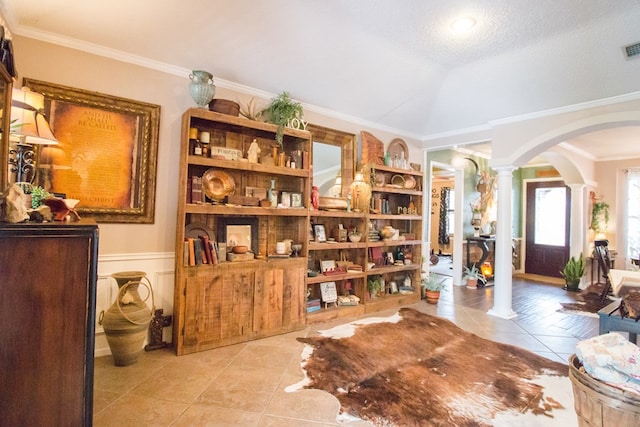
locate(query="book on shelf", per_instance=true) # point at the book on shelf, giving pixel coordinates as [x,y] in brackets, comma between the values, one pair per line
[313,302]
[192,251]
[197,246]
[196,193]
[206,245]
[311,309]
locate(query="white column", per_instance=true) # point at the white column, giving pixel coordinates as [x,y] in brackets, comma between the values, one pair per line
[577,230]
[503,282]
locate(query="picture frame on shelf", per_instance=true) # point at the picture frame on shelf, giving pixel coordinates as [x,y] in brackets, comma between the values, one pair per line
[390,259]
[239,231]
[319,233]
[285,199]
[327,265]
[328,292]
[296,200]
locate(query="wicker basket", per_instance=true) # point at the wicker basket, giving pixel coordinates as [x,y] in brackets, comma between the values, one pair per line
[224,106]
[598,404]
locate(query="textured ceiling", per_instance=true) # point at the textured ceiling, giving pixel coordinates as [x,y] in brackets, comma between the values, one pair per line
[392,63]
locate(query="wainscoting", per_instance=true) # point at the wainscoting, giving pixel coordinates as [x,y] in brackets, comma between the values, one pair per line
[160,272]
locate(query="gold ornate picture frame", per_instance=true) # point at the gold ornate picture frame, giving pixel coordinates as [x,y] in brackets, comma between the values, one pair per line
[109,150]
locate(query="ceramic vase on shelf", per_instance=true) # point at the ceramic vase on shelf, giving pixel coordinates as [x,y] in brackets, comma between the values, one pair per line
[201,87]
[126,322]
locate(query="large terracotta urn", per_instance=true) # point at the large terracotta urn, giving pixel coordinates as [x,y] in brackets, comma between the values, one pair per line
[126,322]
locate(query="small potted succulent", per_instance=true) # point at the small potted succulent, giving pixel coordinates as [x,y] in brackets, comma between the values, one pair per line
[432,286]
[374,286]
[572,272]
[354,235]
[471,276]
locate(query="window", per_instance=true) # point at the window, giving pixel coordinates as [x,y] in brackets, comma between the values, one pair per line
[632,213]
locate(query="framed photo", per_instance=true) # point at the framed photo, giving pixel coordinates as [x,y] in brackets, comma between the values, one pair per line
[319,232]
[109,152]
[390,260]
[239,231]
[296,200]
[285,199]
[327,265]
[328,292]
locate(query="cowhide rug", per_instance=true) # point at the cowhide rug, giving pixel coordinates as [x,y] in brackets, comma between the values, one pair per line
[413,369]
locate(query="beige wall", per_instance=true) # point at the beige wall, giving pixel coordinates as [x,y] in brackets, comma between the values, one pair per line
[69,67]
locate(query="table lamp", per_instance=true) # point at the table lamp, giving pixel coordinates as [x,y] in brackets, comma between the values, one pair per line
[29,129]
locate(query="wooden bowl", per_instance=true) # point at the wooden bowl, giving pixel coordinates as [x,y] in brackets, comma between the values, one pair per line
[240,249]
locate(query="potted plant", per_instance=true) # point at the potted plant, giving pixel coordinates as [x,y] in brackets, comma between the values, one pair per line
[281,111]
[471,276]
[432,287]
[374,285]
[572,273]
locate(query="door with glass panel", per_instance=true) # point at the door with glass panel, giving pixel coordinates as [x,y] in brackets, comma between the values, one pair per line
[547,227]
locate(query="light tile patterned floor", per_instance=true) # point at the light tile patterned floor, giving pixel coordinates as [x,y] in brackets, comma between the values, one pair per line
[243,385]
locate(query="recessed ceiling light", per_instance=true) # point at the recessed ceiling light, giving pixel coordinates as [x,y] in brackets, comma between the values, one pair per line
[462,25]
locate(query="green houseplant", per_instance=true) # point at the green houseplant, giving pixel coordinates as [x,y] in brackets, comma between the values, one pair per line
[374,285]
[471,276]
[281,111]
[573,272]
[432,286]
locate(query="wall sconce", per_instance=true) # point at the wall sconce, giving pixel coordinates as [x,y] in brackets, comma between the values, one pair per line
[29,128]
[360,193]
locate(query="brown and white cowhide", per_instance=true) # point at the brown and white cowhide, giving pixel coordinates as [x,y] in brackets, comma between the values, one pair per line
[414,369]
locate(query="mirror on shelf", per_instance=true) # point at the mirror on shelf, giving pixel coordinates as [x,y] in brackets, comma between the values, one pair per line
[333,160]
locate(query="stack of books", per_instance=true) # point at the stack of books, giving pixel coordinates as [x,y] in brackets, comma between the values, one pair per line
[313,305]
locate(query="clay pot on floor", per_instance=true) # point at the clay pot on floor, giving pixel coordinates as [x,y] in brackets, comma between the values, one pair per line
[126,322]
[472,282]
[432,296]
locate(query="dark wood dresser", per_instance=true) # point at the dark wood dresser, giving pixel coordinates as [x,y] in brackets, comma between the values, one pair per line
[48,276]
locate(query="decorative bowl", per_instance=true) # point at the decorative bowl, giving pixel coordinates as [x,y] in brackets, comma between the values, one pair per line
[355,238]
[217,184]
[240,249]
[387,232]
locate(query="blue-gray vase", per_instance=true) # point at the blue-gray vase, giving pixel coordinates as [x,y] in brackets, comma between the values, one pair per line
[201,87]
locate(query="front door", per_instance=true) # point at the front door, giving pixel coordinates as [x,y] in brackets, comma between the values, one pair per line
[547,227]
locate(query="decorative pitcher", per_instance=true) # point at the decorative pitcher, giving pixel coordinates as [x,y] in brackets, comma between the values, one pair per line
[201,87]
[126,322]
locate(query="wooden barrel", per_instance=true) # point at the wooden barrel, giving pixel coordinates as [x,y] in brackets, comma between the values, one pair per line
[599,404]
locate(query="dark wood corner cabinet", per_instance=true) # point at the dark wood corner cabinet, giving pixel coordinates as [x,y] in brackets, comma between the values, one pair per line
[396,202]
[222,299]
[48,278]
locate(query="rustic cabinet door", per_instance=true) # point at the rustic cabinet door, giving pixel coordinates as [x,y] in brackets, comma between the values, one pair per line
[217,308]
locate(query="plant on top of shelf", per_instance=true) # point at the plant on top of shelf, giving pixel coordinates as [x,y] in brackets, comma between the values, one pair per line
[281,111]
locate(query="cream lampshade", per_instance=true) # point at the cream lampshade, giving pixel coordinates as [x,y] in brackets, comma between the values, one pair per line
[29,127]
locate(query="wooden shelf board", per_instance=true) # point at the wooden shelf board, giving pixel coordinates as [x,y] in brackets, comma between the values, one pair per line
[396,217]
[395,170]
[382,243]
[392,269]
[206,208]
[396,191]
[329,313]
[246,166]
[313,246]
[336,214]
[320,278]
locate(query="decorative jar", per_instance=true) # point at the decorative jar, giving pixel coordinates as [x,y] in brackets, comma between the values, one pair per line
[201,88]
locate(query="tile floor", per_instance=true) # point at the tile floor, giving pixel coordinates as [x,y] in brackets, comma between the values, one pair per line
[243,385]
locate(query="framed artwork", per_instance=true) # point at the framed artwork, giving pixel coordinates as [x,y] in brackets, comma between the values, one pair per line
[285,199]
[390,260]
[319,232]
[296,200]
[327,265]
[328,292]
[108,157]
[242,231]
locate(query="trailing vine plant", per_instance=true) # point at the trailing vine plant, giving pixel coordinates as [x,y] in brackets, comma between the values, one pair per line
[600,217]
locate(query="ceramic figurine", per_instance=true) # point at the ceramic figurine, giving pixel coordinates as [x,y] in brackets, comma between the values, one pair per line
[254,150]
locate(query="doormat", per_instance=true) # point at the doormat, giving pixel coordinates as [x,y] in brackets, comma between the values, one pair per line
[414,369]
